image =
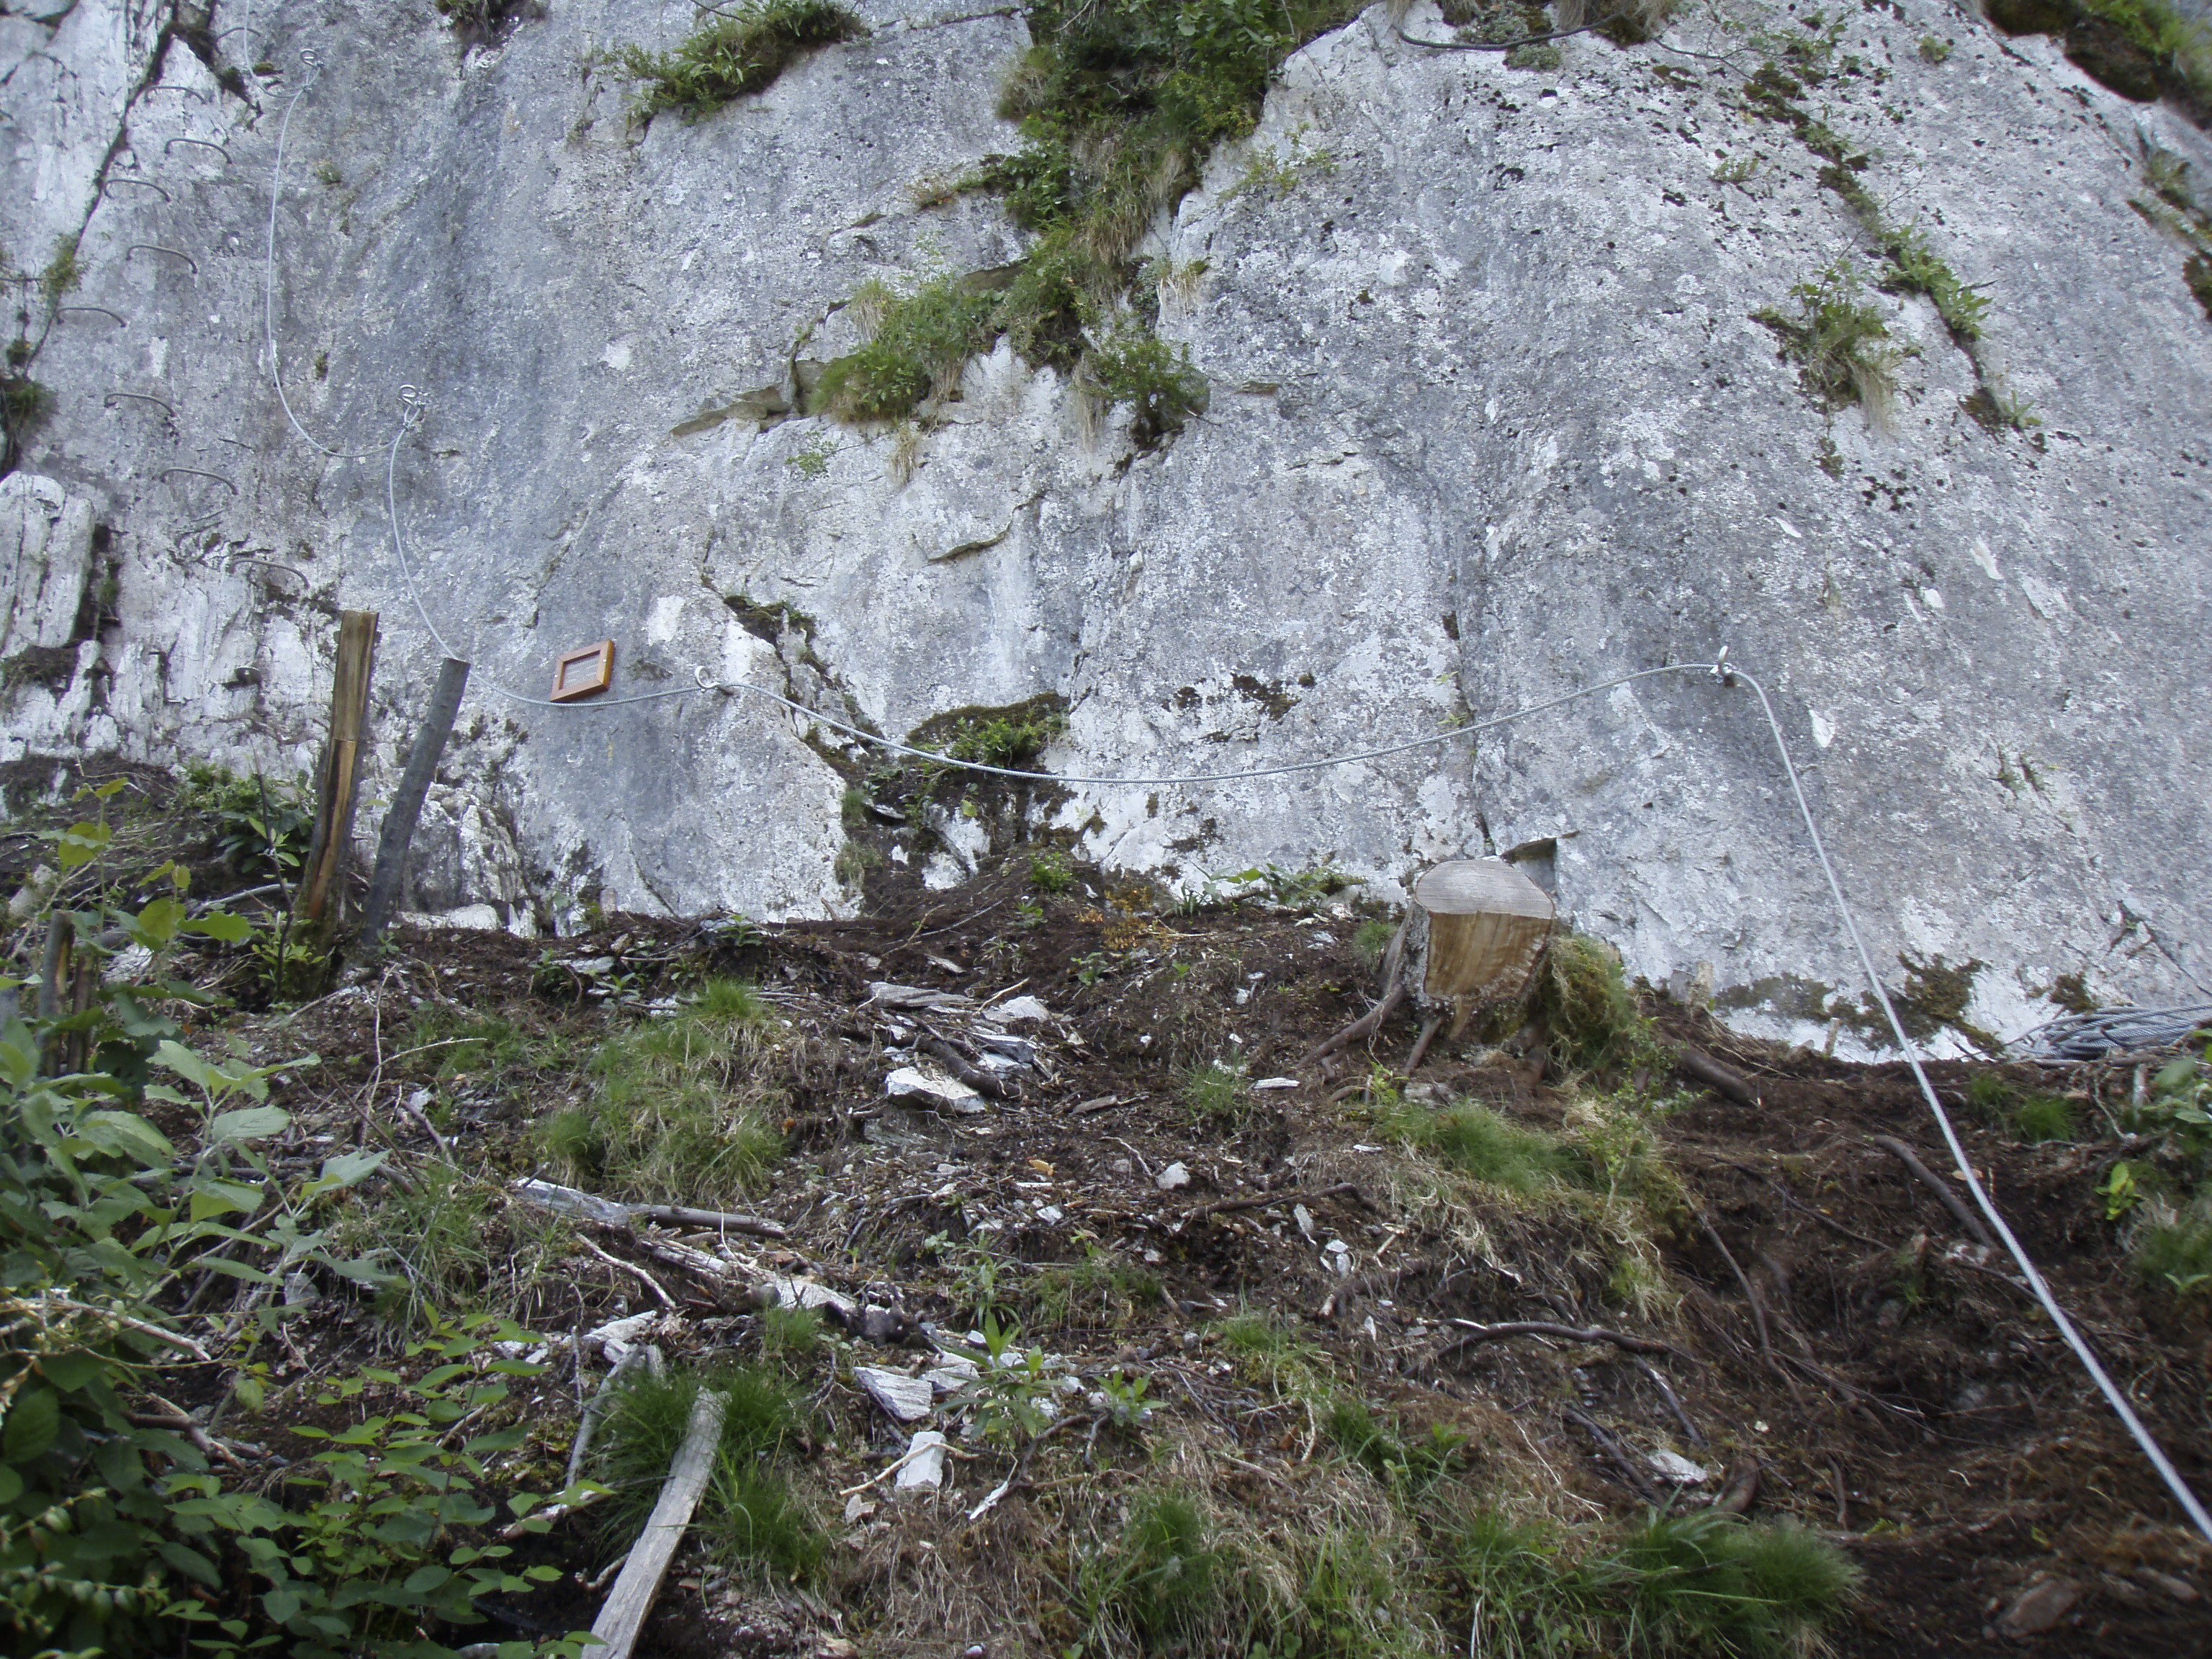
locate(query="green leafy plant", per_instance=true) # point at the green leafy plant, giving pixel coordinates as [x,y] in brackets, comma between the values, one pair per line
[731,54]
[1840,345]
[812,459]
[1049,874]
[261,828]
[1010,1399]
[1133,366]
[1934,49]
[915,346]
[376,1552]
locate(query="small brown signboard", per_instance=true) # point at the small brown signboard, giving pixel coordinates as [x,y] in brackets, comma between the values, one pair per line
[584,673]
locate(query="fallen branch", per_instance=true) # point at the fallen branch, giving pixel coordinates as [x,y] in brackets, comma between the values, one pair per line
[1421,1043]
[623,1615]
[1612,1448]
[1705,1069]
[1474,1333]
[608,1213]
[631,1268]
[1793,1202]
[1936,1184]
[1667,1392]
[1750,1292]
[1363,1027]
[1375,1279]
[1266,1199]
[982,1082]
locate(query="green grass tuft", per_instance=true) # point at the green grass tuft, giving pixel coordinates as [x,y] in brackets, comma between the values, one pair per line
[678,1111]
[1164,1579]
[1214,1092]
[1489,1148]
[916,346]
[2044,1117]
[1370,939]
[735,54]
[1585,1001]
[749,1516]
[790,1334]
[2173,1250]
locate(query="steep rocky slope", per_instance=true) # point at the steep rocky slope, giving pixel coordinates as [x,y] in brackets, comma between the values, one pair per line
[1491,416]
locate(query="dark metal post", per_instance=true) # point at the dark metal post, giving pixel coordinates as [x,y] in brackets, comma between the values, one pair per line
[407,805]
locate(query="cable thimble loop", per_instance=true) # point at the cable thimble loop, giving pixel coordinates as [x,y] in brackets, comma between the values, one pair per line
[311,58]
[1722,672]
[414,405]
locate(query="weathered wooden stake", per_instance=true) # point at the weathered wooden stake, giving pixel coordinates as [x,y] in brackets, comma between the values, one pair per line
[338,773]
[407,805]
[627,1604]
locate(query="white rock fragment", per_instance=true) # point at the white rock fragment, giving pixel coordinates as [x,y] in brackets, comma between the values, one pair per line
[857,1510]
[1304,1216]
[924,1467]
[1050,1214]
[1276,1083]
[951,1375]
[1014,1010]
[1336,1256]
[1678,1470]
[1173,1176]
[905,1399]
[949,1092]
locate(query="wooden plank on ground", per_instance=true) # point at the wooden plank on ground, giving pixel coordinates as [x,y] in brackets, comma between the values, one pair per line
[623,1615]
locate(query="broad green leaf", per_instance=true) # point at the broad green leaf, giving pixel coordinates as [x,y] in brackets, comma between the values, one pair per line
[126,1135]
[81,843]
[351,1169]
[175,1057]
[70,1371]
[33,1420]
[211,1197]
[247,1123]
[222,924]
[191,1562]
[11,1484]
[157,924]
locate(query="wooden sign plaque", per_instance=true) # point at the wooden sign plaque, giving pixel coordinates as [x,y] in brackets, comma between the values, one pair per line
[584,673]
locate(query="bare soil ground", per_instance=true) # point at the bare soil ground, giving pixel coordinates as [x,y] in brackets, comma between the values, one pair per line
[1894,1384]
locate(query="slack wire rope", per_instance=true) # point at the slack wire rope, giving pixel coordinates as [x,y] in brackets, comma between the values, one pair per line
[413,407]
[1721,670]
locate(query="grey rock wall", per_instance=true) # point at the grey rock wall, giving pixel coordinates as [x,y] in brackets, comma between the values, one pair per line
[1491,420]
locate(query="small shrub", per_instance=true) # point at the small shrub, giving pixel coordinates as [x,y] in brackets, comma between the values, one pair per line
[1840,345]
[262,826]
[734,55]
[1933,49]
[1214,1092]
[1049,874]
[2197,271]
[1136,366]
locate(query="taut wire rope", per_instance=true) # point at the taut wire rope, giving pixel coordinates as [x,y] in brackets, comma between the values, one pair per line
[1720,670]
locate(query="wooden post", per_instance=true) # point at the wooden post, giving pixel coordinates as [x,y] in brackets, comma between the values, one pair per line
[623,1614]
[407,806]
[338,773]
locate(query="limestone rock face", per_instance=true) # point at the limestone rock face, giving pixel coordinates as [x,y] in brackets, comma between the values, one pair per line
[1490,420]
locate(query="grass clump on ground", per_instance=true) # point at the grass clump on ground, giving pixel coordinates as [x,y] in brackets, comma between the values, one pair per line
[1489,1148]
[731,54]
[1697,1583]
[1215,1092]
[679,1112]
[751,1518]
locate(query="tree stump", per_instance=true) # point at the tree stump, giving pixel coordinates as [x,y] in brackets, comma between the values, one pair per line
[1476,931]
